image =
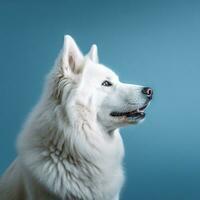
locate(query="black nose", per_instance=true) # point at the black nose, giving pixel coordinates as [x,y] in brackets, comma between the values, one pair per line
[148,92]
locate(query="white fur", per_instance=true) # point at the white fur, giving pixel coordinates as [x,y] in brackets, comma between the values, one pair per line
[70,146]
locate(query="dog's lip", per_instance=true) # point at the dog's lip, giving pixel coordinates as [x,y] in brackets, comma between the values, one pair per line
[134,113]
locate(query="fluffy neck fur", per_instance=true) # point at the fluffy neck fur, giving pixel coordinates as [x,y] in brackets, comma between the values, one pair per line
[69,153]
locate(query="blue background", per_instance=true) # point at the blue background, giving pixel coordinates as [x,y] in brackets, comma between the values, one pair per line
[154,43]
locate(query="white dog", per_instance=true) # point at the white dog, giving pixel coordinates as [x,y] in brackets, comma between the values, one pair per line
[70,147]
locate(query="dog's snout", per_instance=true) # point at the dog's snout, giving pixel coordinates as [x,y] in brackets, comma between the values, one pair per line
[148,92]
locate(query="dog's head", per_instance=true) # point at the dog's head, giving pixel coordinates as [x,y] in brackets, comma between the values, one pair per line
[86,88]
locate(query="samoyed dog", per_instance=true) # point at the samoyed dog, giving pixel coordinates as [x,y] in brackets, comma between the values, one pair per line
[70,147]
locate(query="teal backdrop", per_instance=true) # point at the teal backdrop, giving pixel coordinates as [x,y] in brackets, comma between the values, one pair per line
[153,43]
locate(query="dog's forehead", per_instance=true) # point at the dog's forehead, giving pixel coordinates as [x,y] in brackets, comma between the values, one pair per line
[100,71]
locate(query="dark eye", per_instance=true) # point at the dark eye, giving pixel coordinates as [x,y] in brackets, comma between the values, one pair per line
[107,83]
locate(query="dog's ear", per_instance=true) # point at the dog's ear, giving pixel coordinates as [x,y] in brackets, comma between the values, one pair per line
[72,57]
[93,54]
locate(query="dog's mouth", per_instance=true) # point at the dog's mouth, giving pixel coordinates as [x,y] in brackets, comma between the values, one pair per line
[134,115]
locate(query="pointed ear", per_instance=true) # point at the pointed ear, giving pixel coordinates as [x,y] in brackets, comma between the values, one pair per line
[71,56]
[93,53]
